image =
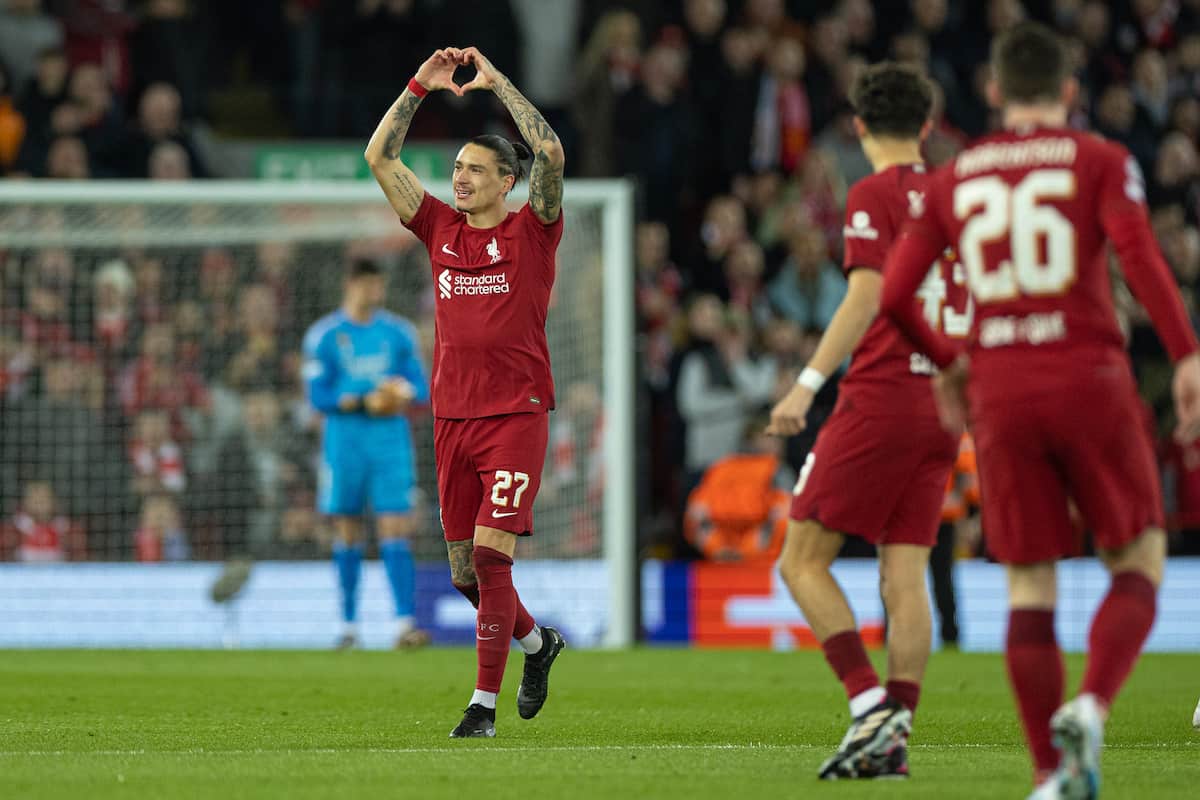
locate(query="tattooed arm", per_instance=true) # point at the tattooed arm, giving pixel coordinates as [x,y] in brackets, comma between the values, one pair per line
[402,187]
[546,177]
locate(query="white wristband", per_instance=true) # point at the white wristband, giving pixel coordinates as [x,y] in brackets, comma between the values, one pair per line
[811,379]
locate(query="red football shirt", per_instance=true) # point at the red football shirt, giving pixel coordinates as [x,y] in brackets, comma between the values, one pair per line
[492,289]
[1029,212]
[888,373]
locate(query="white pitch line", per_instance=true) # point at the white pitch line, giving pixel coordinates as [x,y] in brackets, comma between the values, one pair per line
[560,749]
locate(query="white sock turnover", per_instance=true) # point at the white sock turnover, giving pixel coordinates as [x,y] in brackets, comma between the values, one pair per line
[485,699]
[532,642]
[863,702]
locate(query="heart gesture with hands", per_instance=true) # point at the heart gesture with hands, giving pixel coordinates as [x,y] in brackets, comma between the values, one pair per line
[438,70]
[486,74]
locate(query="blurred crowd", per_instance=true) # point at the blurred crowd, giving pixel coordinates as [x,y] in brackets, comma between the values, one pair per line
[732,116]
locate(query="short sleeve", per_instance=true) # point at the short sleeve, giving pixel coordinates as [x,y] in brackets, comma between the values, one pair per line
[547,235]
[868,229]
[431,215]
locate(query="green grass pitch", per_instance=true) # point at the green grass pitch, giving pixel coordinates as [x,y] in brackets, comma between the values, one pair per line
[646,723]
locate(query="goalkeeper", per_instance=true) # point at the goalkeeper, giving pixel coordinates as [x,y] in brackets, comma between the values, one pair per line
[363,371]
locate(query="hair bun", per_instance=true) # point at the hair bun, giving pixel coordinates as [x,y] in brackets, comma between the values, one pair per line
[522,150]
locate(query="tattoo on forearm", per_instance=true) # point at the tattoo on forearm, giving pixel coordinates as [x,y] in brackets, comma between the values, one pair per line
[406,107]
[545,179]
[462,563]
[411,192]
[545,187]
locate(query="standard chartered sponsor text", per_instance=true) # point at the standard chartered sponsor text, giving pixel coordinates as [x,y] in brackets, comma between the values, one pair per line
[494,283]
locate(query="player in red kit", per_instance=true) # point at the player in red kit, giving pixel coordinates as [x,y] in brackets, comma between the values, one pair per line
[1050,392]
[492,388]
[879,467]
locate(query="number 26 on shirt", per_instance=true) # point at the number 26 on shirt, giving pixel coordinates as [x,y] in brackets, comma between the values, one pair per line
[1041,240]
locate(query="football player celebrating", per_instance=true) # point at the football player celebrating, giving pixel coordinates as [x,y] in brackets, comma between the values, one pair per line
[492,388]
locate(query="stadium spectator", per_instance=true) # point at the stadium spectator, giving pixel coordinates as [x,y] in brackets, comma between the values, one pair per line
[654,129]
[782,120]
[25,32]
[1176,170]
[720,384]
[275,267]
[96,32]
[39,531]
[218,300]
[40,94]
[739,511]
[101,122]
[45,319]
[112,313]
[744,268]
[168,162]
[255,352]
[741,77]
[267,458]
[150,292]
[1185,83]
[159,120]
[156,380]
[809,287]
[605,70]
[168,47]
[156,459]
[723,227]
[160,535]
[67,159]
[659,286]
[57,434]
[548,35]
[1118,116]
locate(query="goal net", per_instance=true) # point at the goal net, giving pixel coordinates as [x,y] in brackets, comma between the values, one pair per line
[153,405]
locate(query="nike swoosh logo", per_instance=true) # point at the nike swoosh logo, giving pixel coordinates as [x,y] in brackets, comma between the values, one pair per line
[446,249]
[485,638]
[498,515]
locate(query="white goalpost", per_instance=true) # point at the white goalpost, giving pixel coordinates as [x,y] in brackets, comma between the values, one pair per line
[147,310]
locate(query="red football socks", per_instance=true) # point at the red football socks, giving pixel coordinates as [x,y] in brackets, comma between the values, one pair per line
[524,620]
[496,618]
[521,627]
[845,653]
[1035,669]
[469,591]
[906,693]
[1118,632]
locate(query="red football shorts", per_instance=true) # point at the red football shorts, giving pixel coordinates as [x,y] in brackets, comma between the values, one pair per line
[1081,437]
[880,478]
[488,472]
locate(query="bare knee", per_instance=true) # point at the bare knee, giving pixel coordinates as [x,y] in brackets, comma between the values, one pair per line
[1145,555]
[1033,585]
[346,530]
[902,572]
[810,548]
[396,526]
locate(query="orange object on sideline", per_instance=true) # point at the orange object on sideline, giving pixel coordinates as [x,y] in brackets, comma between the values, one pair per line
[962,487]
[737,513]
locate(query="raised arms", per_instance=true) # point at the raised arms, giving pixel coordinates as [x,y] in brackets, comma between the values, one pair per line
[403,189]
[546,177]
